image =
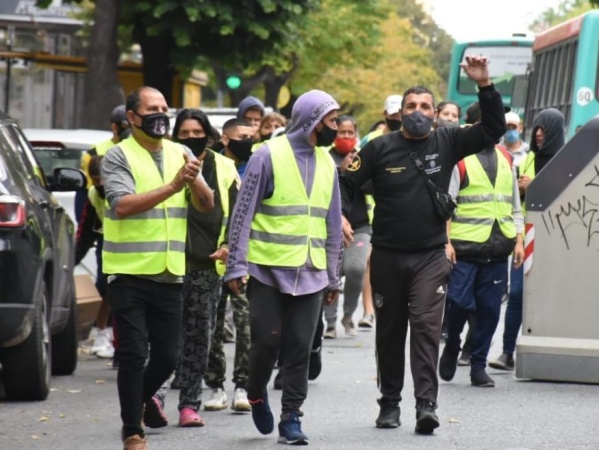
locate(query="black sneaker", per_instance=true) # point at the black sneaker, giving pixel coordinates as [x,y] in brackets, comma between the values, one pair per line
[262,415]
[479,378]
[315,364]
[154,416]
[389,414]
[504,362]
[290,430]
[448,363]
[426,418]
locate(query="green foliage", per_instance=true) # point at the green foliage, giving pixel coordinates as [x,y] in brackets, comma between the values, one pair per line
[567,9]
[362,53]
[339,33]
[233,33]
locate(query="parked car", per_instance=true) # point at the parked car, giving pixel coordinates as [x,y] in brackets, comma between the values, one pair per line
[65,148]
[37,293]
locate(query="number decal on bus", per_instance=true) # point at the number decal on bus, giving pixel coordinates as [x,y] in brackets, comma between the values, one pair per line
[584,96]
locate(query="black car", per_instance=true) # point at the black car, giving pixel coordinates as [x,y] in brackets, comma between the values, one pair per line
[37,293]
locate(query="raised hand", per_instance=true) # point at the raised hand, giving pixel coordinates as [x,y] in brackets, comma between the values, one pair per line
[477,69]
[187,173]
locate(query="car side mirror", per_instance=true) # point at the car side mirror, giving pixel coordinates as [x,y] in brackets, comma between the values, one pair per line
[67,179]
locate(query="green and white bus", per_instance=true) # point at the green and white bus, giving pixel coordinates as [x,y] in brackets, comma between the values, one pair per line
[565,72]
[509,58]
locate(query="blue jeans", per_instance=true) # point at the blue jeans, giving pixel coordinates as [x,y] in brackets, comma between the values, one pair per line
[475,289]
[513,312]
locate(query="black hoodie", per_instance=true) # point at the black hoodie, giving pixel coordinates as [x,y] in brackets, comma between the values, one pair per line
[552,122]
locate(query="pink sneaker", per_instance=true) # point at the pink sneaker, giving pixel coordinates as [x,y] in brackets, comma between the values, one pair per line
[190,418]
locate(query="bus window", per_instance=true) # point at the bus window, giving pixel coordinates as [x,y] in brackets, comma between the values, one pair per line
[509,58]
[505,63]
[565,72]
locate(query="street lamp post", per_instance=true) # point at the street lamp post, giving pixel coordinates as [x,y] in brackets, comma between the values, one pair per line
[9,41]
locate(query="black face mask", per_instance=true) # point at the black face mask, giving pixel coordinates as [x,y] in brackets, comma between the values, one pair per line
[242,148]
[154,125]
[101,192]
[393,124]
[265,137]
[196,145]
[326,136]
[417,124]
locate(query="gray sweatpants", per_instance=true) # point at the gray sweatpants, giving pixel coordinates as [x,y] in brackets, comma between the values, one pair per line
[354,266]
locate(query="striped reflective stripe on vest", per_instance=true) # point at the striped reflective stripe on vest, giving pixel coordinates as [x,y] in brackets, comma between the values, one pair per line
[172,212]
[472,220]
[142,247]
[285,239]
[485,198]
[295,210]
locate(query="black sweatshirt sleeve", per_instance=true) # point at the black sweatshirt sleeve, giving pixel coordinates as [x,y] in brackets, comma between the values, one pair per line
[357,174]
[490,129]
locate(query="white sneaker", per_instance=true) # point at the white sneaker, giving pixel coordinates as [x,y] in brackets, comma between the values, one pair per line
[93,333]
[240,401]
[218,400]
[106,353]
[102,347]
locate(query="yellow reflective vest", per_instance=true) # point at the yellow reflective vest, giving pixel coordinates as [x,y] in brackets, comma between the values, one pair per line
[480,203]
[97,202]
[527,167]
[226,175]
[151,242]
[101,150]
[290,226]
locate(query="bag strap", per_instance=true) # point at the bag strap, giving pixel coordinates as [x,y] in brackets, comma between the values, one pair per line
[419,165]
[430,185]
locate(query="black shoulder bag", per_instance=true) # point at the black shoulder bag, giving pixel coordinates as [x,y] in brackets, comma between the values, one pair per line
[442,201]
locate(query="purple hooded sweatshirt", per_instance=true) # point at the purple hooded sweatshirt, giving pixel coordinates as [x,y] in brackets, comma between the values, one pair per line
[258,184]
[248,103]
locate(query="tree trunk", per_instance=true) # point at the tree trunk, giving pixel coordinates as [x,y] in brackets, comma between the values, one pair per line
[102,89]
[273,82]
[248,84]
[158,68]
[272,87]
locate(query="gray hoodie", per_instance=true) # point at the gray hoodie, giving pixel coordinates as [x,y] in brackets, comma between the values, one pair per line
[258,184]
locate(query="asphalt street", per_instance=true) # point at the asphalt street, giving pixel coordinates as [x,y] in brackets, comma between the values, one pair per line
[82,411]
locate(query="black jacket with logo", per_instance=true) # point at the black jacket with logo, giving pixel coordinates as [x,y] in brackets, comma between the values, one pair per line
[404,215]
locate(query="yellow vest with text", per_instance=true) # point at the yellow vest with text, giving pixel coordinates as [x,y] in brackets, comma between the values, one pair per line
[289,227]
[226,175]
[480,203]
[151,242]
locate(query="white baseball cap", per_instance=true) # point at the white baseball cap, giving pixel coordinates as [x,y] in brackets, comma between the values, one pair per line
[393,104]
[512,118]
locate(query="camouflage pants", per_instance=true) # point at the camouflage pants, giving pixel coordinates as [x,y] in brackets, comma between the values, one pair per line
[217,364]
[201,293]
